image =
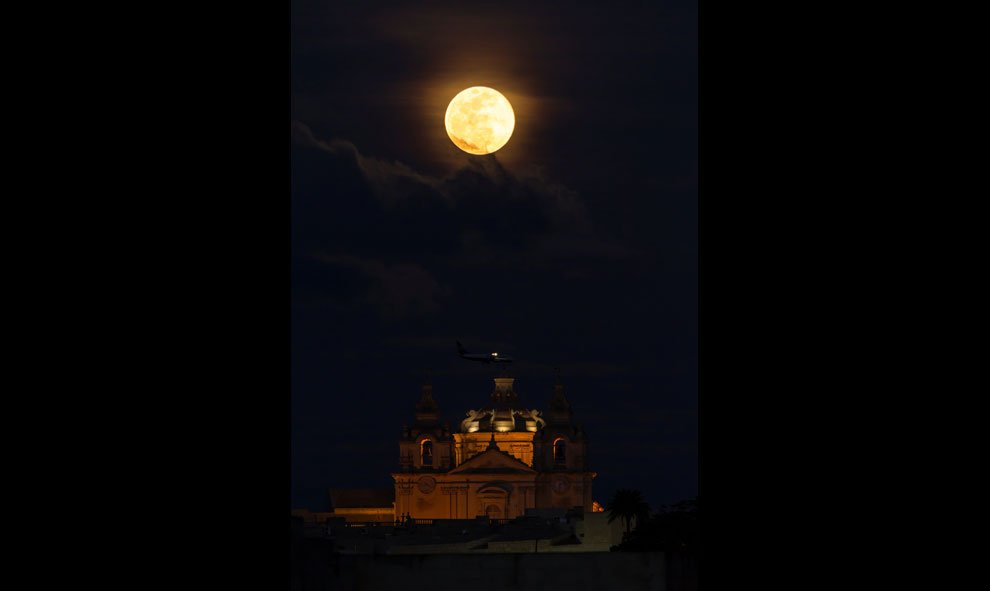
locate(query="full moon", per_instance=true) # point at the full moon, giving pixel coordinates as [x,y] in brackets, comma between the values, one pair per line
[479,120]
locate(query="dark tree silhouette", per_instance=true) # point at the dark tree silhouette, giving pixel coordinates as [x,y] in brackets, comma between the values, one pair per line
[627,504]
[674,528]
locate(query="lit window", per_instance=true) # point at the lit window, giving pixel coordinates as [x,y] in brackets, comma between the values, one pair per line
[427,452]
[560,452]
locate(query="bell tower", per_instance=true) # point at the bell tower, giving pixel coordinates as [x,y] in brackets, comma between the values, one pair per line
[426,445]
[561,451]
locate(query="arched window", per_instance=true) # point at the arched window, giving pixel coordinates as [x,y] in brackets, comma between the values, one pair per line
[426,451]
[560,452]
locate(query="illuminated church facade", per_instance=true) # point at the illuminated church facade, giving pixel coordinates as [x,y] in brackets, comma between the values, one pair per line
[499,461]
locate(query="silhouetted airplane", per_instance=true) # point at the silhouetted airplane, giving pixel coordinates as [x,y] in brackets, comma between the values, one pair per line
[482,357]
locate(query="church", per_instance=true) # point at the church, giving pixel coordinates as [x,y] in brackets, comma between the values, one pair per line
[499,461]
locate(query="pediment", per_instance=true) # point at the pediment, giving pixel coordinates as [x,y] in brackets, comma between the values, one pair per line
[493,461]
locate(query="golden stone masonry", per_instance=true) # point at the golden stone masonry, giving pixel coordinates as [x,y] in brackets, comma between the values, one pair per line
[502,460]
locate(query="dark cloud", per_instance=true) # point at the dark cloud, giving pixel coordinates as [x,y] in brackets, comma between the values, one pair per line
[370,233]
[395,290]
[478,213]
[390,181]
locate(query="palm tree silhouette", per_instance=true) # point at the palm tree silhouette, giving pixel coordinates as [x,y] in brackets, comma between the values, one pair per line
[627,504]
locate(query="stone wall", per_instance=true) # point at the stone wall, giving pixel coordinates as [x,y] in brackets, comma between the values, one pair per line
[315,568]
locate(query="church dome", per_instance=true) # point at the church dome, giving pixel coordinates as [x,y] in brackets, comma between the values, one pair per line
[505,413]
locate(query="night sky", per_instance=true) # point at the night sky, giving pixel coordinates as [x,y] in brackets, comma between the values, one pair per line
[573,247]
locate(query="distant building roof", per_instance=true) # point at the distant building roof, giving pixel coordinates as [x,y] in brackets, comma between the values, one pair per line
[353,498]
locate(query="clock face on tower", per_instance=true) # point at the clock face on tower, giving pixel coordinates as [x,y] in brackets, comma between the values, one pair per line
[560,484]
[427,484]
